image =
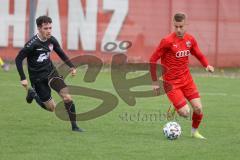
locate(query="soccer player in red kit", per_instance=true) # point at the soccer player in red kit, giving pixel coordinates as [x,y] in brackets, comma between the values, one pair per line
[174,51]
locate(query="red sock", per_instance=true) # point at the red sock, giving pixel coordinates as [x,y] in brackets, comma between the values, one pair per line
[196,120]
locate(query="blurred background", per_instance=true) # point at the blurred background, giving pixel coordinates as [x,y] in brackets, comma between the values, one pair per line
[87,26]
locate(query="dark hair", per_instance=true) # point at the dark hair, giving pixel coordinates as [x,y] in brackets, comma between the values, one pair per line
[43,19]
[179,17]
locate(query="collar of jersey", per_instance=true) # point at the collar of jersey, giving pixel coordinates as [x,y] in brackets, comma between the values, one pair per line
[41,39]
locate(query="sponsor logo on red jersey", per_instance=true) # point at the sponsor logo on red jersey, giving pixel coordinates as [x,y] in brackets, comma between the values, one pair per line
[183,53]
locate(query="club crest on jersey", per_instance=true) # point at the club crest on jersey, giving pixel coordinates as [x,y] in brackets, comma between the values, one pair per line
[188,44]
[50,46]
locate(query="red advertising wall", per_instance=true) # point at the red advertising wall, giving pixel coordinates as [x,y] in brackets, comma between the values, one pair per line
[86,26]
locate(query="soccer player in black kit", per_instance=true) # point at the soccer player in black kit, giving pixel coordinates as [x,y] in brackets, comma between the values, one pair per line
[42,73]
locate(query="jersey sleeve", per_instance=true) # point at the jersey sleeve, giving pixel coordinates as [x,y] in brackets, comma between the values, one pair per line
[198,54]
[159,51]
[57,48]
[19,60]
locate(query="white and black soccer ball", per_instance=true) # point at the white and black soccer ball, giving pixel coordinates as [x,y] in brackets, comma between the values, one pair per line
[172,130]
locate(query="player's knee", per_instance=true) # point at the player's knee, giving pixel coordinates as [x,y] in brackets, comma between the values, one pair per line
[50,106]
[197,109]
[67,98]
[184,112]
[196,105]
[51,109]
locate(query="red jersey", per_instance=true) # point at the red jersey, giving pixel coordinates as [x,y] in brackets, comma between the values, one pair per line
[174,53]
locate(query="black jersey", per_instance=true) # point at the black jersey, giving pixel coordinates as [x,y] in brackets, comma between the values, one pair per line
[37,53]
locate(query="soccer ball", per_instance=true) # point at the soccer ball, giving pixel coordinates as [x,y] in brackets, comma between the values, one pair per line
[172,130]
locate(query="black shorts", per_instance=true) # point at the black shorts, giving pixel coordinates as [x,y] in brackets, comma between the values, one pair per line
[43,87]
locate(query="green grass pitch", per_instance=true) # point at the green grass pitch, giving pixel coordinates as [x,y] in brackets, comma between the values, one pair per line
[28,132]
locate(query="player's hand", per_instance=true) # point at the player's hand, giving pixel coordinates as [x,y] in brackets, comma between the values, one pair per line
[210,68]
[156,88]
[24,83]
[73,71]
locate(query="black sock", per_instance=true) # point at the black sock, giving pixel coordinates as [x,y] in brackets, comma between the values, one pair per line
[70,107]
[39,102]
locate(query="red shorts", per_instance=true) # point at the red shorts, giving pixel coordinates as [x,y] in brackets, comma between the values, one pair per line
[182,91]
